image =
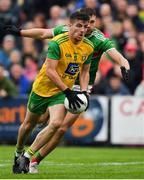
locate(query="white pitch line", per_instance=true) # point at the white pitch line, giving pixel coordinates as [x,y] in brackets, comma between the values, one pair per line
[4,164]
[94,164]
[83,164]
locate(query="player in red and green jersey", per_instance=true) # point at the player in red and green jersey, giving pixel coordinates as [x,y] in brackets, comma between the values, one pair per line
[101,45]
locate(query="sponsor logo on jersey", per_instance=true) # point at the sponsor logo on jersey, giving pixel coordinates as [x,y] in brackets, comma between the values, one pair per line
[72,68]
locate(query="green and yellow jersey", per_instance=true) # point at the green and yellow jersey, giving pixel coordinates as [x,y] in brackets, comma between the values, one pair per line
[71,57]
[100,43]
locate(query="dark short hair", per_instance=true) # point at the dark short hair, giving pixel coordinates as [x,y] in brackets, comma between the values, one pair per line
[88,11]
[79,16]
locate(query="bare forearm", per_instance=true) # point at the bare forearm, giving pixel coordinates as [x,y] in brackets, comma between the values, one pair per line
[118,58]
[37,33]
[53,75]
[84,81]
[124,62]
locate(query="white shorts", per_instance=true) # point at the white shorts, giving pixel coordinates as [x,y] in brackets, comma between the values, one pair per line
[77,88]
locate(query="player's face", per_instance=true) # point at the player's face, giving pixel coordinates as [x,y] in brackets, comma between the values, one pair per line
[91,25]
[78,29]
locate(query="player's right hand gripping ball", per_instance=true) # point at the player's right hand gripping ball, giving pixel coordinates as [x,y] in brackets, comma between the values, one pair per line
[125,73]
[75,101]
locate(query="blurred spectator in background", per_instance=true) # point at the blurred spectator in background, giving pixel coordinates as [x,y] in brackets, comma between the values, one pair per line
[28,44]
[39,6]
[116,86]
[115,73]
[7,88]
[110,85]
[132,12]
[15,57]
[94,4]
[9,12]
[141,10]
[118,36]
[140,37]
[119,9]
[7,46]
[56,13]
[39,21]
[133,57]
[91,4]
[30,67]
[107,19]
[129,29]
[22,84]
[105,10]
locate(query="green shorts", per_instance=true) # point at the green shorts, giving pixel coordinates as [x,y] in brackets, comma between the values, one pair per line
[38,104]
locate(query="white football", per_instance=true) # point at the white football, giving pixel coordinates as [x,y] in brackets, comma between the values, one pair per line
[82,106]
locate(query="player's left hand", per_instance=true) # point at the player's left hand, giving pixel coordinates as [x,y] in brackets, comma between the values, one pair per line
[125,73]
[87,96]
[12,29]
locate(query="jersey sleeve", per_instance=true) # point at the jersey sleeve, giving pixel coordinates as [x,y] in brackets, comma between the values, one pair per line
[103,45]
[59,30]
[107,44]
[100,42]
[53,51]
[88,61]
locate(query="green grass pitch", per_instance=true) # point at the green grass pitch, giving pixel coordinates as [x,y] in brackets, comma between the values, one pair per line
[81,163]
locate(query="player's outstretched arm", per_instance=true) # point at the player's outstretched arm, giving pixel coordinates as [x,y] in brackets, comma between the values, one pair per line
[123,62]
[36,33]
[118,58]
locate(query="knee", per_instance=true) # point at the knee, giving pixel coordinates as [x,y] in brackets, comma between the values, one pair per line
[56,124]
[28,126]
